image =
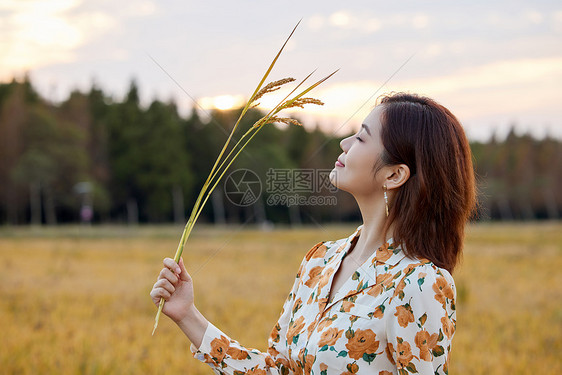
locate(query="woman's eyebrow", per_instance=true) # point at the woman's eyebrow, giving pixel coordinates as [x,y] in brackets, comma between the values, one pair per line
[366,129]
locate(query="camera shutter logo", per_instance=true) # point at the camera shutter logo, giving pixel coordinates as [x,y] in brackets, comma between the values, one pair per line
[242,187]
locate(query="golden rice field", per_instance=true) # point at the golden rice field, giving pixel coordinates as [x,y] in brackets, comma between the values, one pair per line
[75,300]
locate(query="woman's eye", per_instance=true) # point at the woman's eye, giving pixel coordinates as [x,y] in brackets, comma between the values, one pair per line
[359,139]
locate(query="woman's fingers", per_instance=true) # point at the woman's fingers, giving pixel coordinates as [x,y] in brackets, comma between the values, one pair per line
[165,284]
[183,272]
[168,280]
[172,266]
[178,269]
[157,292]
[168,275]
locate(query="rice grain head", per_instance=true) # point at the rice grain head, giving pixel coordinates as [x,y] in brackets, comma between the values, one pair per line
[286,120]
[272,86]
[301,102]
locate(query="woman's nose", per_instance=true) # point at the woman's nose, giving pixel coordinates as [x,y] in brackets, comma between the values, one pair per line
[344,143]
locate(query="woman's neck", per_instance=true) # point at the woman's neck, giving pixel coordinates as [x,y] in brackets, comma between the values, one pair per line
[374,219]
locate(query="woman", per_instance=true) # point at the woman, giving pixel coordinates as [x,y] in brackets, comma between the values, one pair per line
[381,301]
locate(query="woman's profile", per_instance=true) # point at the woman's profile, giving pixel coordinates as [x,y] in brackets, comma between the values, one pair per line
[381,301]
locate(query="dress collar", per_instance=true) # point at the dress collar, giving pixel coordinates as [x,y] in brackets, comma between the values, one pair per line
[385,256]
[389,253]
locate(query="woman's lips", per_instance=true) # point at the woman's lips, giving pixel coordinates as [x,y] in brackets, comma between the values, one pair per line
[339,163]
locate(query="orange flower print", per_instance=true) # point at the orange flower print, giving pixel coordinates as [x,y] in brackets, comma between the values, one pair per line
[295,328]
[426,342]
[310,299]
[446,365]
[410,267]
[274,335]
[405,315]
[404,353]
[297,305]
[323,367]
[448,327]
[383,253]
[381,283]
[353,368]
[313,276]
[379,312]
[385,373]
[330,337]
[255,371]
[385,279]
[347,305]
[322,302]
[208,359]
[272,351]
[399,290]
[442,290]
[320,252]
[324,323]
[309,361]
[236,353]
[390,353]
[219,348]
[311,327]
[325,278]
[282,362]
[296,367]
[363,342]
[319,247]
[375,290]
[269,362]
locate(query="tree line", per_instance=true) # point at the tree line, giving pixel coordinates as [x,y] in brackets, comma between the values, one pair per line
[92,158]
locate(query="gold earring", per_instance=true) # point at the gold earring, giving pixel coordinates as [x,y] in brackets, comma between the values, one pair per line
[385,199]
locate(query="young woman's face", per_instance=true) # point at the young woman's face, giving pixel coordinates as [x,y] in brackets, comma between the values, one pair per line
[353,171]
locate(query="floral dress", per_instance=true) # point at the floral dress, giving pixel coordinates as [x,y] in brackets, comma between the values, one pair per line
[394,315]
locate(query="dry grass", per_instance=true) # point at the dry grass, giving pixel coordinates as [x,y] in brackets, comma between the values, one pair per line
[75,300]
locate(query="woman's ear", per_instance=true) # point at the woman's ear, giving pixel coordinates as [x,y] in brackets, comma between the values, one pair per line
[397,176]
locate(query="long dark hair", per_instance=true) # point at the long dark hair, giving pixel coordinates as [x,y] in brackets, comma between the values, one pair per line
[429,212]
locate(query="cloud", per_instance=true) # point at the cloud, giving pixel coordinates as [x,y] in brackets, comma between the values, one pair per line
[316,22]
[142,8]
[420,21]
[340,19]
[534,16]
[367,22]
[493,75]
[501,90]
[39,33]
[556,21]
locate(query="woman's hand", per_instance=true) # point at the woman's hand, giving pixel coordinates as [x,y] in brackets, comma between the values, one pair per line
[176,287]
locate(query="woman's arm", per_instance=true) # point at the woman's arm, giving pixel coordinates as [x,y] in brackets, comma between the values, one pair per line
[212,346]
[421,321]
[175,285]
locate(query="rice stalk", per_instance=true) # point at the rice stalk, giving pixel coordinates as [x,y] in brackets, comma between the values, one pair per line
[268,118]
[221,165]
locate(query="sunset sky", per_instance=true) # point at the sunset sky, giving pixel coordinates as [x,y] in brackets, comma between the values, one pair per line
[492,63]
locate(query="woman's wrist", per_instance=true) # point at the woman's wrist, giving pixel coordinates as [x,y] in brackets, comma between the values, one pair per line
[193,325]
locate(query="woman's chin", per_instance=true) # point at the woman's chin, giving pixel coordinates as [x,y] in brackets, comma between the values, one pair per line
[334,180]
